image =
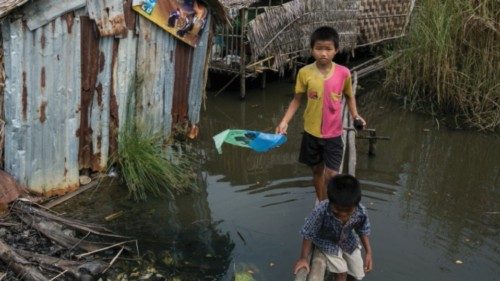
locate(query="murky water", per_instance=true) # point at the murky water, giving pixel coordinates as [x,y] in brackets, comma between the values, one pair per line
[433,197]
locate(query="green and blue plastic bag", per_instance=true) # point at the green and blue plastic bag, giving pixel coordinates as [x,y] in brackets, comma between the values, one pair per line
[255,140]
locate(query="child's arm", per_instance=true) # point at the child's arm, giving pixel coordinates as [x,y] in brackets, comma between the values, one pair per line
[292,108]
[351,104]
[368,249]
[303,261]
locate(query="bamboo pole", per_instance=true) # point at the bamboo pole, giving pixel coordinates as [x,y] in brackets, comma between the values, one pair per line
[244,17]
[351,134]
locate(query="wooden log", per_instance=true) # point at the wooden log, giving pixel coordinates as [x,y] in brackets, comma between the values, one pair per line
[91,228]
[70,195]
[20,265]
[243,57]
[69,266]
[92,267]
[52,231]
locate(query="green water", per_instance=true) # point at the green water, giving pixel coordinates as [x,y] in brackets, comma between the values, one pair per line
[433,196]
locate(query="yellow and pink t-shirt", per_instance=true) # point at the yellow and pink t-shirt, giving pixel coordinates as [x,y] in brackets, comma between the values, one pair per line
[323,114]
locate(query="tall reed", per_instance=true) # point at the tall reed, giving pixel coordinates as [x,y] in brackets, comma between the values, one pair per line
[449,61]
[147,163]
[148,167]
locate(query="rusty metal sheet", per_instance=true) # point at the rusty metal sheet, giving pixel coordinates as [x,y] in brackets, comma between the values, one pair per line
[40,12]
[197,83]
[42,103]
[183,60]
[109,16]
[155,66]
[97,58]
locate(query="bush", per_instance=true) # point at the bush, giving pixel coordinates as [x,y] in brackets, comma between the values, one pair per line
[448,63]
[149,167]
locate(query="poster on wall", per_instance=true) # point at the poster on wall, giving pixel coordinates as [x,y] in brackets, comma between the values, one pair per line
[184,19]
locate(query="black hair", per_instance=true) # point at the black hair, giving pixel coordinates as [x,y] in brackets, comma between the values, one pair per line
[344,190]
[325,33]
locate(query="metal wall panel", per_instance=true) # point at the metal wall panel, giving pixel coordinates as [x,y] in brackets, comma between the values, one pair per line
[40,12]
[183,60]
[108,15]
[155,70]
[42,99]
[124,73]
[68,91]
[197,85]
[100,112]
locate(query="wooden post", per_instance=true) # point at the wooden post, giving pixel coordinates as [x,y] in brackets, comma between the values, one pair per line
[294,72]
[243,35]
[263,80]
[371,142]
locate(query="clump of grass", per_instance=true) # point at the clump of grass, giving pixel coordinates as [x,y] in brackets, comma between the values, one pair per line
[448,63]
[149,167]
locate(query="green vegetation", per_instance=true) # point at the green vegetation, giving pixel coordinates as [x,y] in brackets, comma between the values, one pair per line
[449,62]
[148,167]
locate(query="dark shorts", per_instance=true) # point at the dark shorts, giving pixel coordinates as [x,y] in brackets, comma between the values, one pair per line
[314,151]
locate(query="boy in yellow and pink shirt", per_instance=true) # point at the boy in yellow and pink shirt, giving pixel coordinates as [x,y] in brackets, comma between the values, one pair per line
[325,84]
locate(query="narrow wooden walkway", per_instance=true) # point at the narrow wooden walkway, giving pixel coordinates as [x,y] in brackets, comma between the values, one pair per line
[318,260]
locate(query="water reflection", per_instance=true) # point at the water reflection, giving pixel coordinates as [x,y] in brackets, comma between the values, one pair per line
[433,198]
[179,236]
[432,194]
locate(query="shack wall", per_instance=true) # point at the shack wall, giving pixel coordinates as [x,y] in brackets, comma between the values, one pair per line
[70,84]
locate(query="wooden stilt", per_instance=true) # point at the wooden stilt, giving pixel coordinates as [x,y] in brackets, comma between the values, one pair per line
[263,80]
[244,18]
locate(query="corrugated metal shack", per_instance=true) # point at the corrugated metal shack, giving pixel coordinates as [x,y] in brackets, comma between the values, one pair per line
[71,67]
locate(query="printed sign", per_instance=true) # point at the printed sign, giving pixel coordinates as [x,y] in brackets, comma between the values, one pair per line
[184,19]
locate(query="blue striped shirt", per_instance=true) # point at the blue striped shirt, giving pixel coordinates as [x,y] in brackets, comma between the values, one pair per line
[327,232]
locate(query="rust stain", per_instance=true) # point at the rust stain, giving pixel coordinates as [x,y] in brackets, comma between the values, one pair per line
[24,98]
[60,191]
[129,15]
[65,168]
[42,77]
[42,41]
[69,20]
[113,104]
[118,25]
[101,61]
[109,26]
[43,117]
[89,65]
[183,57]
[96,163]
[99,94]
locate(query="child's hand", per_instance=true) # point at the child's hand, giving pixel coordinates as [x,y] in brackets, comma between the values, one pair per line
[368,263]
[281,129]
[300,264]
[359,118]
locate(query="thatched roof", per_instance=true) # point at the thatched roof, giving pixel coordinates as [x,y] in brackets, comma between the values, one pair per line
[237,4]
[381,20]
[283,31]
[8,5]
